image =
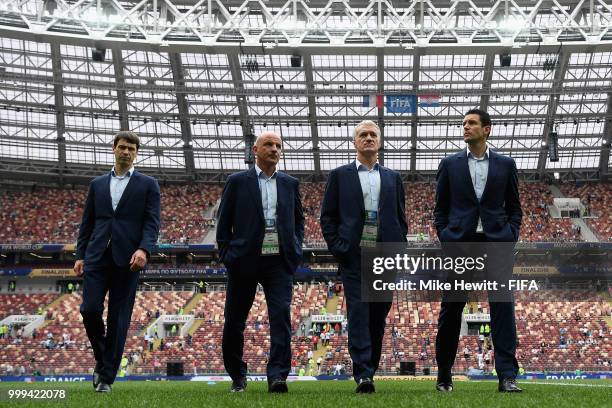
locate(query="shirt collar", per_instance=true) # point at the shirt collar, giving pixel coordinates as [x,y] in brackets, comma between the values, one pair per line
[260,171]
[471,156]
[128,174]
[358,164]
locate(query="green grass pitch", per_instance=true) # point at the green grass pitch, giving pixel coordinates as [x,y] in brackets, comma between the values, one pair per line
[322,394]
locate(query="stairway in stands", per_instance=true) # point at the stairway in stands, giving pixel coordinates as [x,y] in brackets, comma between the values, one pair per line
[331,306]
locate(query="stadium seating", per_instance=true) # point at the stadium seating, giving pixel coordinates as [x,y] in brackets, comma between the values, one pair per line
[23,304]
[597,198]
[58,214]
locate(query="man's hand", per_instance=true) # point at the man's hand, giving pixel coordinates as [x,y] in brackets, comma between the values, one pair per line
[79,267]
[138,261]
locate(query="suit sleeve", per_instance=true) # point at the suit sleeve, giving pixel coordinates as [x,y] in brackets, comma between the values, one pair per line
[442,198]
[401,205]
[225,217]
[150,228]
[513,202]
[299,215]
[87,224]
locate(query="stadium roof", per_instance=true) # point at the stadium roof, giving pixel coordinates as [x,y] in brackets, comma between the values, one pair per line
[196,79]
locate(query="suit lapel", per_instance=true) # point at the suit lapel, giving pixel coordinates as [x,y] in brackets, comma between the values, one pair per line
[465,170]
[129,189]
[106,197]
[385,184]
[356,184]
[255,192]
[490,174]
[281,193]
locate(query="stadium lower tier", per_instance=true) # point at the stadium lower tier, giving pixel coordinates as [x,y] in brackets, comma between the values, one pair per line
[552,335]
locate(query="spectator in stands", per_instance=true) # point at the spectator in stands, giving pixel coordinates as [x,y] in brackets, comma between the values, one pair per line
[260,231]
[353,215]
[467,212]
[118,232]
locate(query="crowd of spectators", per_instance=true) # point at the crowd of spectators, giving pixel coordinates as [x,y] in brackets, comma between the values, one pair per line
[188,213]
[556,331]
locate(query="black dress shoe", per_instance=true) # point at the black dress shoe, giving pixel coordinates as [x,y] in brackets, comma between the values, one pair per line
[103,387]
[238,385]
[445,381]
[278,386]
[444,386]
[365,386]
[509,385]
[95,379]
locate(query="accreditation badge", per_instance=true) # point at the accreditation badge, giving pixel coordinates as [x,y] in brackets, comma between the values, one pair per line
[270,243]
[370,229]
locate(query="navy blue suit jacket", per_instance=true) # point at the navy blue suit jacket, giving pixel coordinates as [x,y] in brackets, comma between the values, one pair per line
[133,225]
[343,211]
[241,225]
[457,207]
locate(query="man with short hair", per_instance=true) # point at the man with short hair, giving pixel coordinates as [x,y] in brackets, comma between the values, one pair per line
[364,203]
[477,201]
[118,232]
[260,230]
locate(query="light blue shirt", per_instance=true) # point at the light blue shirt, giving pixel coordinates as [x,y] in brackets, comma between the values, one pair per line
[267,188]
[370,185]
[479,170]
[118,185]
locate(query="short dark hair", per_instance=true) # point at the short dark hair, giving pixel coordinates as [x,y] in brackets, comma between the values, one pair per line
[485,118]
[128,135]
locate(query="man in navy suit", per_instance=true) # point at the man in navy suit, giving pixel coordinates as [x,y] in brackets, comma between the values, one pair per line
[260,230]
[477,200]
[363,204]
[118,232]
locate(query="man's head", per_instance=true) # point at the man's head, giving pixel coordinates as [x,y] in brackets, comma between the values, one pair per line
[476,126]
[125,148]
[267,149]
[367,137]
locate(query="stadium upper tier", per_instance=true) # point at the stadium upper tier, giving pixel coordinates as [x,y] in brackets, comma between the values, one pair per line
[53,215]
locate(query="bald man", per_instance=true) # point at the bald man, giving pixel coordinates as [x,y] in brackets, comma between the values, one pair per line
[260,230]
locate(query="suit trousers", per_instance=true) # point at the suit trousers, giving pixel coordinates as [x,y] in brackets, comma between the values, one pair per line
[366,321]
[276,278]
[120,283]
[503,325]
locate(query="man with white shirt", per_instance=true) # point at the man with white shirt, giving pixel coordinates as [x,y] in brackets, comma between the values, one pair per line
[118,232]
[260,230]
[363,204]
[477,200]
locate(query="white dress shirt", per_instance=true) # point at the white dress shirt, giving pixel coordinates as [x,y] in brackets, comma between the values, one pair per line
[370,185]
[118,185]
